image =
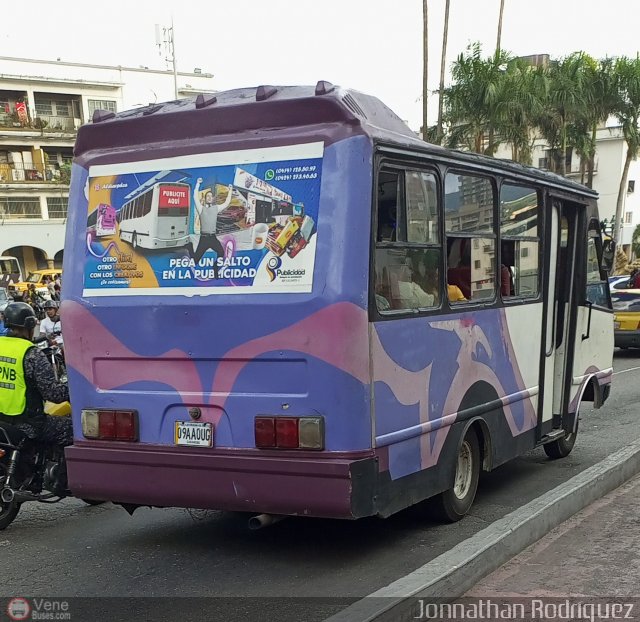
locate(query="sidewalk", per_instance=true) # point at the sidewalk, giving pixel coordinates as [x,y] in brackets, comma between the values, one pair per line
[595,553]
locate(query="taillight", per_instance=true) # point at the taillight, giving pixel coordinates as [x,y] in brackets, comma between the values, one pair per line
[265,432]
[110,425]
[289,432]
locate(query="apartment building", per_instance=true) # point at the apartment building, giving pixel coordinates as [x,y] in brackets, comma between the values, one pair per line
[42,105]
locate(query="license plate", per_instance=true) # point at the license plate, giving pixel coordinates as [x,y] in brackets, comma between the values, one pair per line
[616,324]
[194,433]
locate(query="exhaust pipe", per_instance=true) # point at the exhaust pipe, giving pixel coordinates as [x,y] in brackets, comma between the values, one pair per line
[7,495]
[264,520]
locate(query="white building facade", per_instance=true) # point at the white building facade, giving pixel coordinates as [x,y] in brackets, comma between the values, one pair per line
[42,105]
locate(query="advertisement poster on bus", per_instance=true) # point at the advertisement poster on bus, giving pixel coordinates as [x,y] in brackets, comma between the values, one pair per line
[227,222]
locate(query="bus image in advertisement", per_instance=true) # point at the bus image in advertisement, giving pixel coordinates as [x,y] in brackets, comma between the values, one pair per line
[388,320]
[156,215]
[106,220]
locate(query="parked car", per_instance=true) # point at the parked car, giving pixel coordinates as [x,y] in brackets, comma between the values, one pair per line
[626,318]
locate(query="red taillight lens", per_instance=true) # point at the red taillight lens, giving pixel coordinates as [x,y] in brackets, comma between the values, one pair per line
[287,432]
[126,425]
[110,425]
[265,432]
[107,424]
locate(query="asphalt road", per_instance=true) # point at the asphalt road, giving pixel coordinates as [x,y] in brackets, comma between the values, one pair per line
[74,550]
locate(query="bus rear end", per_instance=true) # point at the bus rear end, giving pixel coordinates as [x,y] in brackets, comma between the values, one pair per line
[172,214]
[238,379]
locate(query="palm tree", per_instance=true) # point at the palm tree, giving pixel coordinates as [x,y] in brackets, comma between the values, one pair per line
[425,67]
[443,61]
[566,99]
[627,76]
[635,242]
[601,96]
[472,99]
[498,48]
[519,106]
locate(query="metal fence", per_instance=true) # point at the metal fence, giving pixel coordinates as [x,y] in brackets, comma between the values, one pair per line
[19,172]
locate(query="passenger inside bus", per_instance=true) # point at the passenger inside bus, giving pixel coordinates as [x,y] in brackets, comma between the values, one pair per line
[459,264]
[507,264]
[387,208]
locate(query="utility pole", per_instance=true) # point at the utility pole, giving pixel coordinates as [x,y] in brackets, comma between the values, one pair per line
[166,37]
[443,64]
[425,67]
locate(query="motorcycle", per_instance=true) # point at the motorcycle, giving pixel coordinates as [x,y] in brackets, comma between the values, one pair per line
[55,356]
[29,471]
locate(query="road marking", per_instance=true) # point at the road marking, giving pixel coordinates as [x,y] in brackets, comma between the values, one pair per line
[624,371]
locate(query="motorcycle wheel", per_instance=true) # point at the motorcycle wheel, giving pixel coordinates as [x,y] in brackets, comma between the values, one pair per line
[8,511]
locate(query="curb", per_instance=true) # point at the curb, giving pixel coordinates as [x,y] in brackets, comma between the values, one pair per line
[453,573]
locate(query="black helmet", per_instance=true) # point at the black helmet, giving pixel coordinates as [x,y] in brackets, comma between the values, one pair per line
[50,304]
[20,315]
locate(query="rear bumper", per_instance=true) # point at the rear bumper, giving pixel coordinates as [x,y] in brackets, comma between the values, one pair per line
[627,338]
[245,481]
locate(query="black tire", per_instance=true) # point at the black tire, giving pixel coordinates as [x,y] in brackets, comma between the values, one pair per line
[8,511]
[134,240]
[451,505]
[562,447]
[93,501]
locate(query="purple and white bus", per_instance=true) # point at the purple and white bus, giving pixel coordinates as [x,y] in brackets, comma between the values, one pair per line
[427,315]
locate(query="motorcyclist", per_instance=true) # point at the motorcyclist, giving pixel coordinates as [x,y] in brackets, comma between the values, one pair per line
[27,380]
[50,326]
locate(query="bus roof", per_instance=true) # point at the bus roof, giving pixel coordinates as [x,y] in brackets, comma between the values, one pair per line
[192,122]
[163,176]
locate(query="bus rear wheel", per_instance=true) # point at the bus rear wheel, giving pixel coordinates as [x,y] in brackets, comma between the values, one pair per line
[451,505]
[134,240]
[562,447]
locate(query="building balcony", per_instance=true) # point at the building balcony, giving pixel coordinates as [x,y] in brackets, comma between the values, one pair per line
[17,173]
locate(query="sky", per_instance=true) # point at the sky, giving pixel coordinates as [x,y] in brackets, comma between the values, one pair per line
[374,46]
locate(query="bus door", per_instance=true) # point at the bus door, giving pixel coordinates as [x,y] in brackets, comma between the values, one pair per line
[559,295]
[593,338]
[579,325]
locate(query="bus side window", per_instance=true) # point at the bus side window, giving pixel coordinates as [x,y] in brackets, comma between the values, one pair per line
[597,285]
[388,207]
[471,244]
[520,242]
[407,256]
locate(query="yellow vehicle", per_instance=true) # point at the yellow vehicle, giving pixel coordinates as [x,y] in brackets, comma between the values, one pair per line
[37,278]
[626,308]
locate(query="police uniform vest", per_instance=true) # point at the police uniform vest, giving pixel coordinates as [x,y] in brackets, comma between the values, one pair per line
[13,386]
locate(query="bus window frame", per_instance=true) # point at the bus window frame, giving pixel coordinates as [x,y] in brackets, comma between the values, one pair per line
[520,300]
[593,224]
[493,178]
[385,163]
